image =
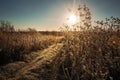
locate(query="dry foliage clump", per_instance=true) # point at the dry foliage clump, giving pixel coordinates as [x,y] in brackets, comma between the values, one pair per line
[15,45]
[90,54]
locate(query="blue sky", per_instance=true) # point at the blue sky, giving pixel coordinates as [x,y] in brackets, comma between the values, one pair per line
[51,14]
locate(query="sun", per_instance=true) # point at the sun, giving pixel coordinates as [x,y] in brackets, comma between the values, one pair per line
[72,19]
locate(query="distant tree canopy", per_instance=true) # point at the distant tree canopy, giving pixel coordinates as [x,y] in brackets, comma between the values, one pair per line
[32,30]
[6,26]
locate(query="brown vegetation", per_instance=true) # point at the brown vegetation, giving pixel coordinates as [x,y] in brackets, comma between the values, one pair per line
[88,54]
[15,45]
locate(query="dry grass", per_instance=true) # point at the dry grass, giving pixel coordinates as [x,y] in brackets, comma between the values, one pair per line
[14,46]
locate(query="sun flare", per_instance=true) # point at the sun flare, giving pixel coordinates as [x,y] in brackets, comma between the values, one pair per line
[72,19]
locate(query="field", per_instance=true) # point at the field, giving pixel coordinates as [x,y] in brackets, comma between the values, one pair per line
[75,55]
[83,49]
[16,45]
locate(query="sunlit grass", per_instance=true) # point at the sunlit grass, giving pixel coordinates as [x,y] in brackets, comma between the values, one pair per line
[14,45]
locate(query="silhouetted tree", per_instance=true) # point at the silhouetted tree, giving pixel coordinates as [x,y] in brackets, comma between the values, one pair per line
[32,30]
[6,26]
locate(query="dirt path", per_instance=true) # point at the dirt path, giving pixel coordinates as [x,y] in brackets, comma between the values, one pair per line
[46,55]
